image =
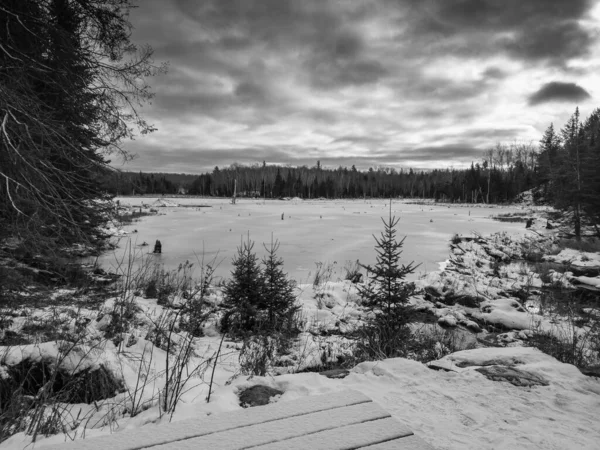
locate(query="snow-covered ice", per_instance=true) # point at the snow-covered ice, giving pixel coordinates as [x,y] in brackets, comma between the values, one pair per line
[312,231]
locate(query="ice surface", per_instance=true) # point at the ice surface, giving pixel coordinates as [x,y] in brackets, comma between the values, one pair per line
[311,231]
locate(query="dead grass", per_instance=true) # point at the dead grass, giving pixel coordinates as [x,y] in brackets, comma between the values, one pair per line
[590,245]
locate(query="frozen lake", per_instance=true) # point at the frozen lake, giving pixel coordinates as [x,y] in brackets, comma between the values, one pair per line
[312,231]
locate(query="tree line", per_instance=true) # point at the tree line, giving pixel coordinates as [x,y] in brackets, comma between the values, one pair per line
[569,169]
[563,171]
[506,171]
[132,183]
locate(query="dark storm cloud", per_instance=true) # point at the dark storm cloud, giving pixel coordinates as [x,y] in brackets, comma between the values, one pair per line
[362,74]
[277,23]
[330,52]
[447,89]
[536,30]
[557,42]
[332,75]
[556,91]
[494,73]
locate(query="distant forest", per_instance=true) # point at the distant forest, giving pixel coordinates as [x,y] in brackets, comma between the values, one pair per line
[506,171]
[562,163]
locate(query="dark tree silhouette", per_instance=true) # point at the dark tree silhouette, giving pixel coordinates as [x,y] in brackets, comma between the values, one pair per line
[70,84]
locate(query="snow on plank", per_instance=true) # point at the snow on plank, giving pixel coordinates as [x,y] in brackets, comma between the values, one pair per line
[279,431]
[186,429]
[406,443]
[348,437]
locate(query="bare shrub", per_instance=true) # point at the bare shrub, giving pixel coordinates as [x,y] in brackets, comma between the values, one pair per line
[590,245]
[430,342]
[352,270]
[575,335]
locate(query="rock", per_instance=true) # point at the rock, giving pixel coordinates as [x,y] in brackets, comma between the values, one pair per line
[434,365]
[593,371]
[258,395]
[335,373]
[473,326]
[104,322]
[586,271]
[469,301]
[514,376]
[29,377]
[592,312]
[328,301]
[448,320]
[523,334]
[357,278]
[432,293]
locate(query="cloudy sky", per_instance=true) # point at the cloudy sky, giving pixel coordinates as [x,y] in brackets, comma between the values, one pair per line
[402,83]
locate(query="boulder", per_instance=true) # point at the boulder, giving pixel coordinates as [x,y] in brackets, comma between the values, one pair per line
[593,371]
[335,373]
[513,375]
[258,395]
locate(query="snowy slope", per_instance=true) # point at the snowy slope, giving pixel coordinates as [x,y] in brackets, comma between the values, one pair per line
[459,409]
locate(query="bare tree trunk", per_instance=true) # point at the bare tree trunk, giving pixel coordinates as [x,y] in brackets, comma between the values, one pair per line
[234,191]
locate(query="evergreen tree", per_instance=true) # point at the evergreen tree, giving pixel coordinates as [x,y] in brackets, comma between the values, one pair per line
[549,148]
[278,299]
[69,81]
[387,295]
[590,171]
[243,292]
[566,176]
[279,185]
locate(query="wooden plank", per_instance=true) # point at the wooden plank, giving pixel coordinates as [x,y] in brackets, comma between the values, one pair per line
[345,438]
[151,435]
[279,431]
[406,443]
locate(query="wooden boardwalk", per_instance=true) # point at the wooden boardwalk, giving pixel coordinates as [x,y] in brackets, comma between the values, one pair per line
[342,420]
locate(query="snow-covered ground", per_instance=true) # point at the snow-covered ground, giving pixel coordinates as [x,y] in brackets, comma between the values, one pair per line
[457,409]
[540,404]
[312,231]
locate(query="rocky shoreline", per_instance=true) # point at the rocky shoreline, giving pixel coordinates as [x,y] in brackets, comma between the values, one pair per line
[504,289]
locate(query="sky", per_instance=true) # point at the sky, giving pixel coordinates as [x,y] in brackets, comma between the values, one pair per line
[400,83]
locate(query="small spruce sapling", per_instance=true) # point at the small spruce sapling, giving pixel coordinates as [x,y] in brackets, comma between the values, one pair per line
[387,294]
[243,292]
[278,300]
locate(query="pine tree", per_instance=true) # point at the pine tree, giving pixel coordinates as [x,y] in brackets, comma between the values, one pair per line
[69,81]
[590,194]
[566,176]
[549,148]
[278,299]
[387,295]
[279,185]
[243,292]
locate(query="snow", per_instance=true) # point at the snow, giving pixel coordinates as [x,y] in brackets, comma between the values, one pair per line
[164,202]
[334,231]
[71,358]
[456,409]
[571,256]
[507,312]
[589,281]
